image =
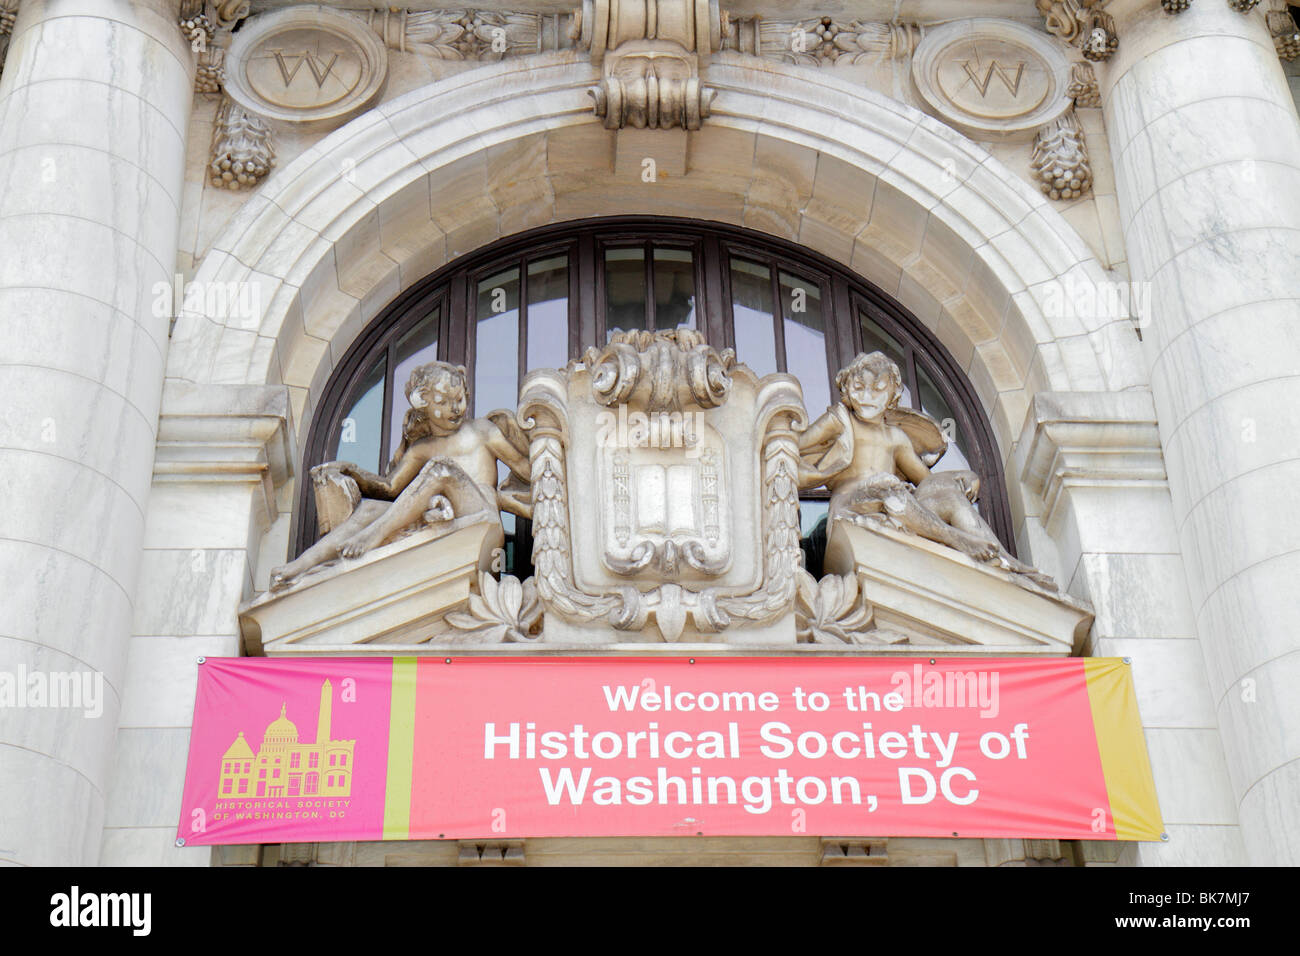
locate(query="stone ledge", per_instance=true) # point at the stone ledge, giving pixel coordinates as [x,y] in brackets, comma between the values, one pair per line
[947,602]
[378,604]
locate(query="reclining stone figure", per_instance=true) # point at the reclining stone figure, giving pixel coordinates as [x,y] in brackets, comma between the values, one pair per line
[875,459]
[445,467]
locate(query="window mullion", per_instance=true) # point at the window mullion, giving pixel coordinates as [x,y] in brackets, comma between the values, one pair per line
[778,315]
[649,286]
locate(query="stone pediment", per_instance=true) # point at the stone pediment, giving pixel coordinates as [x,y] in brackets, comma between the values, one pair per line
[664,496]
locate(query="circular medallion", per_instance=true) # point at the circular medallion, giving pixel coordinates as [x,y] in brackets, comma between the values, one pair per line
[991,78]
[309,65]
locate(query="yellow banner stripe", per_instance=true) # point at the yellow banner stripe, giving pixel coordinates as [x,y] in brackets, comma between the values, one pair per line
[401,750]
[1135,814]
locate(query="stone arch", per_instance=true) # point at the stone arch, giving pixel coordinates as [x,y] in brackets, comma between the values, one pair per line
[913,206]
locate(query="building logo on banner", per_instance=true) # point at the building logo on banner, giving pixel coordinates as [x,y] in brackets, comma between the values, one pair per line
[286,777]
[461,748]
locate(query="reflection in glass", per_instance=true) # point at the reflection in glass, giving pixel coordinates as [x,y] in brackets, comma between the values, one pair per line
[876,339]
[751,303]
[674,271]
[359,432]
[805,340]
[548,313]
[625,293]
[812,532]
[933,404]
[417,347]
[496,343]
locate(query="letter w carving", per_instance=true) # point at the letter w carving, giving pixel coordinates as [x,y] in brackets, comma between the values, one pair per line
[313,64]
[995,67]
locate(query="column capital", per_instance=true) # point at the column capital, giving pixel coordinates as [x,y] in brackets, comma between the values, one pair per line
[226,433]
[1093,439]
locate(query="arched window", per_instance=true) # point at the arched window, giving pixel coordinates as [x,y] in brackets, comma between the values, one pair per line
[540,299]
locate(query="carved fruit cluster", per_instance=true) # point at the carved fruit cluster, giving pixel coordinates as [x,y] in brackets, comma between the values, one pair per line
[1175,6]
[1288,45]
[1243,6]
[198,30]
[1100,44]
[234,174]
[208,78]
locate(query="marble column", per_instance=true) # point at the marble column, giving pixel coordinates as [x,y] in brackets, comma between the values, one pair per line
[1206,147]
[94,105]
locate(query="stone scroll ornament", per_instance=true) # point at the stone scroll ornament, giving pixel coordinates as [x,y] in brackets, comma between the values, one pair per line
[1083,23]
[875,458]
[650,53]
[664,492]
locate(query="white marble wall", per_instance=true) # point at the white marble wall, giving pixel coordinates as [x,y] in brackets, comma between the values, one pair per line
[222,450]
[94,106]
[1096,504]
[1206,143]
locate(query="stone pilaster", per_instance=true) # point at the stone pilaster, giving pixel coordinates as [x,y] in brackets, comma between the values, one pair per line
[1095,480]
[1206,147]
[224,457]
[94,105]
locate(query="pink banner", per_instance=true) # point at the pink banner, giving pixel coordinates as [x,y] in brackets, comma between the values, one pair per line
[340,749]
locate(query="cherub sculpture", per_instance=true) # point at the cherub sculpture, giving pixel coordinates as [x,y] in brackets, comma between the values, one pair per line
[875,459]
[445,467]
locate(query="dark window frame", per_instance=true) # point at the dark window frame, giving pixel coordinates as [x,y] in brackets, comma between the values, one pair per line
[843,294]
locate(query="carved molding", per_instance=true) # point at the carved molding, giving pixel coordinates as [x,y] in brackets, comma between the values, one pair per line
[317,854]
[486,35]
[822,41]
[649,51]
[242,151]
[1082,23]
[490,853]
[854,851]
[1060,159]
[1027,853]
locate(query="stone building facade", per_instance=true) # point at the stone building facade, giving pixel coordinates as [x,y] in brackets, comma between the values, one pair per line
[1086,213]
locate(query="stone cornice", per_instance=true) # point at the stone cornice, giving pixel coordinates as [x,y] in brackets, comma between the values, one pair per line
[226,433]
[1073,439]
